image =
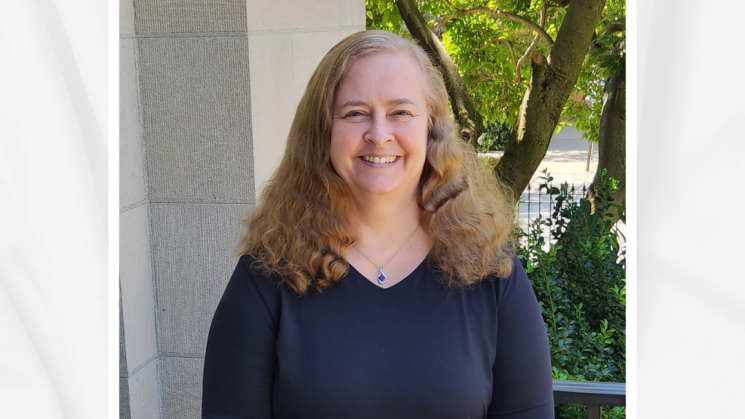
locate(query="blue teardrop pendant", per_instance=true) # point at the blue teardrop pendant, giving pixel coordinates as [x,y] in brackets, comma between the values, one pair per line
[381,277]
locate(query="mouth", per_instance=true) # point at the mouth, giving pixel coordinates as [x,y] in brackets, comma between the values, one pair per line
[380,160]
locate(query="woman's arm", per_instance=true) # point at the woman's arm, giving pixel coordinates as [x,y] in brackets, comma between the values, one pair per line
[241,355]
[522,368]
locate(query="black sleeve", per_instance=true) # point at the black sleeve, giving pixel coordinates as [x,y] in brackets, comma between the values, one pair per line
[240,358]
[523,385]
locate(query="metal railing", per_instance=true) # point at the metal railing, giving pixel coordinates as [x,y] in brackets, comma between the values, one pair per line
[534,203]
[592,394]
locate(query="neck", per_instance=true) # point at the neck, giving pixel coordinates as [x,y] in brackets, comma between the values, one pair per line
[388,238]
[385,219]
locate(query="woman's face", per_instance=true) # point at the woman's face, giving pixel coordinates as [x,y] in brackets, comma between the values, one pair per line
[379,133]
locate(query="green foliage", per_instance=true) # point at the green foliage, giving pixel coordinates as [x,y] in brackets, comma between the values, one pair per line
[607,59]
[384,15]
[495,137]
[580,285]
[486,51]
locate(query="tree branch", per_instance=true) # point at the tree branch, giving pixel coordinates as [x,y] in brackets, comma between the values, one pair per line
[500,14]
[613,27]
[450,5]
[491,41]
[446,20]
[491,77]
[521,61]
[480,82]
[497,14]
[551,82]
[529,52]
[561,3]
[512,52]
[469,120]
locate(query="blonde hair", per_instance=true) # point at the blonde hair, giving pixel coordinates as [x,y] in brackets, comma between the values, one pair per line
[300,228]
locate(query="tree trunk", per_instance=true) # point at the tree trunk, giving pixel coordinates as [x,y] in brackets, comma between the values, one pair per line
[612,139]
[469,120]
[550,85]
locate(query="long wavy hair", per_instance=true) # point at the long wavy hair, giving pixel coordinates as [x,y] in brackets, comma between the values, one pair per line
[300,228]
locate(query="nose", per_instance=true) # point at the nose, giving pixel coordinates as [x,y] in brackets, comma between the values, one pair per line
[379,131]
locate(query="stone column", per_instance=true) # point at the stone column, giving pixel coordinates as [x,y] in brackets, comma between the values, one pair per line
[138,352]
[208,92]
[287,40]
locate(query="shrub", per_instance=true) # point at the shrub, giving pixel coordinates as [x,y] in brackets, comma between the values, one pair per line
[494,137]
[579,281]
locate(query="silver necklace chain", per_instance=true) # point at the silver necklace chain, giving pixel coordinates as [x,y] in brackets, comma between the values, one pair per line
[381,276]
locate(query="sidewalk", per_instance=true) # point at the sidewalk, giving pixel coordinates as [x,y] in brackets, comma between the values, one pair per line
[566,160]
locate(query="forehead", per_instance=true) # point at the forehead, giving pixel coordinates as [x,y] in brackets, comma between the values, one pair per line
[388,75]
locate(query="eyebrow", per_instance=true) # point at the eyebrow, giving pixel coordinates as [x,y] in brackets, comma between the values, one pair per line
[402,101]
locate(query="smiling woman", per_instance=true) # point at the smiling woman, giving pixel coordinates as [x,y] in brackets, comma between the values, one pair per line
[379,134]
[376,276]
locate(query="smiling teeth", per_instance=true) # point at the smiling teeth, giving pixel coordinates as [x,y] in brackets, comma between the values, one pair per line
[371,159]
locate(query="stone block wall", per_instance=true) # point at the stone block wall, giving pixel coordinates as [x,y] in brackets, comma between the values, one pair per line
[208,90]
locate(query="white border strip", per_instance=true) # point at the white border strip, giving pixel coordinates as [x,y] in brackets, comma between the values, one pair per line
[631,214]
[113,208]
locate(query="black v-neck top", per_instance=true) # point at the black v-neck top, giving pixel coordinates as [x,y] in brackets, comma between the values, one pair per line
[358,351]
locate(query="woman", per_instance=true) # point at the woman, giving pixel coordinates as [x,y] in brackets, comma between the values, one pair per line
[369,285]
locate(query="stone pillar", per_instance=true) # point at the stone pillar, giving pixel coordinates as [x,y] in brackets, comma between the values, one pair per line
[138,354]
[287,40]
[208,89]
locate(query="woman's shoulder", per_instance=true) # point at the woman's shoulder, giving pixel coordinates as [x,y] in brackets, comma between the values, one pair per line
[509,269]
[252,266]
[516,286]
[517,270]
[250,281]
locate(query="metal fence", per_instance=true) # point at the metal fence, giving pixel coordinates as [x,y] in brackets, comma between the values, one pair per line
[535,202]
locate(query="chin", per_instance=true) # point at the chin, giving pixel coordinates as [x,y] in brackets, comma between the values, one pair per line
[379,190]
[382,189]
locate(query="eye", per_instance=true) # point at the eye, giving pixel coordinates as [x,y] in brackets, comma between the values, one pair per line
[402,115]
[355,115]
